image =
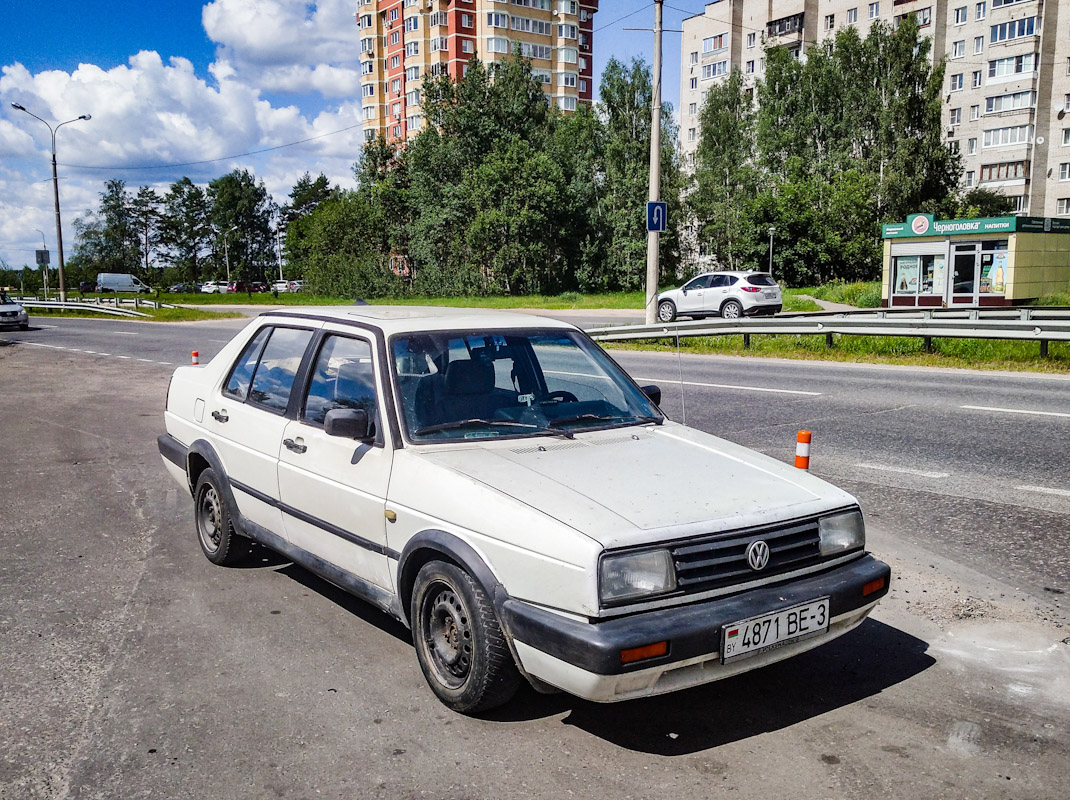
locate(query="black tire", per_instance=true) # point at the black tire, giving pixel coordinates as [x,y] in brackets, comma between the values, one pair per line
[215,532]
[666,311]
[732,309]
[24,326]
[459,643]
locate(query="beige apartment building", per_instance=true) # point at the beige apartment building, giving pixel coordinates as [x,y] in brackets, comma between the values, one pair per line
[404,41]
[1007,80]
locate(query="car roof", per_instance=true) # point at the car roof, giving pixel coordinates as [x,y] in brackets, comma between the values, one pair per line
[406,319]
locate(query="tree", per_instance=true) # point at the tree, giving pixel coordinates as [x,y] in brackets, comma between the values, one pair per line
[307,194]
[145,217]
[106,240]
[185,230]
[241,212]
[345,258]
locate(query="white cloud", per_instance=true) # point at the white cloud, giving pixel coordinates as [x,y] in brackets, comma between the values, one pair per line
[149,113]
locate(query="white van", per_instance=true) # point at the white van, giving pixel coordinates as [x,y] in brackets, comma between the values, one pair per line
[120,282]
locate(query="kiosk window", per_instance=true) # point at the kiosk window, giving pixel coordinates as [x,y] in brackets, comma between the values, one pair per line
[925,275]
[994,267]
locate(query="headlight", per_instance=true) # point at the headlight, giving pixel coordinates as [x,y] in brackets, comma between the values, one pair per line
[633,575]
[841,533]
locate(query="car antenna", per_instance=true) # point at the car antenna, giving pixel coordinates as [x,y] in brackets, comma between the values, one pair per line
[680,366]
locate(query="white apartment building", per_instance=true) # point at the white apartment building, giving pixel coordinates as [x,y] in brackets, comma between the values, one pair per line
[1007,80]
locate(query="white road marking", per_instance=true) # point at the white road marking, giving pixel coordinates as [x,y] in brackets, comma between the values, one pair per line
[1044,490]
[146,360]
[124,333]
[1017,411]
[124,356]
[165,363]
[44,327]
[668,381]
[904,470]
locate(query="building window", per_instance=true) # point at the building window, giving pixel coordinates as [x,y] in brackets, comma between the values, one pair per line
[1063,206]
[1066,135]
[694,83]
[583,87]
[1013,134]
[368,90]
[980,10]
[691,134]
[874,10]
[975,112]
[692,109]
[852,16]
[955,116]
[960,16]
[368,112]
[1064,171]
[969,178]
[830,21]
[466,20]
[978,45]
[497,44]
[714,70]
[971,147]
[395,86]
[713,44]
[468,46]
[497,20]
[694,56]
[413,123]
[395,37]
[1015,29]
[1010,102]
[1007,171]
[395,62]
[1012,65]
[566,103]
[785,25]
[1066,103]
[953,145]
[412,74]
[367,67]
[412,23]
[958,49]
[956,81]
[751,38]
[566,55]
[750,67]
[569,79]
[412,49]
[394,14]
[567,32]
[413,97]
[977,78]
[1001,3]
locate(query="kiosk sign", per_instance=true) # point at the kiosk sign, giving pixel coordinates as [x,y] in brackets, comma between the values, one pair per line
[925,225]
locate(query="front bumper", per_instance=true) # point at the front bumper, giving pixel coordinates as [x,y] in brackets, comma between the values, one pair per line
[584,658]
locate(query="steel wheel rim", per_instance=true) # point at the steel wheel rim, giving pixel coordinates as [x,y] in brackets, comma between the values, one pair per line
[665,313]
[209,519]
[731,311]
[446,630]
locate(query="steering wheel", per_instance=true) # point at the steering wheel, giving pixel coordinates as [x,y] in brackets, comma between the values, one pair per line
[560,397]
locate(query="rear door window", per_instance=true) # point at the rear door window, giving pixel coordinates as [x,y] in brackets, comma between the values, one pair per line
[241,374]
[277,370]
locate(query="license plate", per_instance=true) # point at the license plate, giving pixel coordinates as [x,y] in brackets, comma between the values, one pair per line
[749,637]
[770,295]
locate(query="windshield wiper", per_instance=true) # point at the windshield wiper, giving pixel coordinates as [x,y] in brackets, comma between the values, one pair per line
[490,423]
[604,418]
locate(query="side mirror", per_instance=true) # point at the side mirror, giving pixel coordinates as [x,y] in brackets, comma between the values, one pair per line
[348,423]
[653,393]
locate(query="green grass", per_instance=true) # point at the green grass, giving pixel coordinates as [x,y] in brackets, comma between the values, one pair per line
[155,315]
[1057,299]
[862,294]
[958,353]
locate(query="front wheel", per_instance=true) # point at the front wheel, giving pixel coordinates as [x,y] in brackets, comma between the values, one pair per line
[459,643]
[215,531]
[732,310]
[666,311]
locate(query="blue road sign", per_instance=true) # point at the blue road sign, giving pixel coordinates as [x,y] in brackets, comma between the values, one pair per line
[657,217]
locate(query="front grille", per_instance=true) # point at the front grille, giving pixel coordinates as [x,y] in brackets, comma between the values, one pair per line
[9,313]
[711,562]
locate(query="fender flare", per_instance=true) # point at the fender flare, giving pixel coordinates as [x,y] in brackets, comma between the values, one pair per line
[455,549]
[205,450]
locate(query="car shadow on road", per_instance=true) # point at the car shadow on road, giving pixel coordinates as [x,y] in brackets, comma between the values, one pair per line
[858,665]
[366,612]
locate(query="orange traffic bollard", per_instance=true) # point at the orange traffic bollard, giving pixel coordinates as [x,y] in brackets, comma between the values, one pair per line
[802,450]
[196,357]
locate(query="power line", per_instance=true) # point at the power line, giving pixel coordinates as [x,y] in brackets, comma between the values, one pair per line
[214,160]
[626,16]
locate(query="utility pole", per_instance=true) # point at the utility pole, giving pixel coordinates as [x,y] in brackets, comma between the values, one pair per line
[653,237]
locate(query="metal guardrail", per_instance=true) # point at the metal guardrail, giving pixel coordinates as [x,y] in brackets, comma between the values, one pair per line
[94,307]
[1033,324]
[114,302]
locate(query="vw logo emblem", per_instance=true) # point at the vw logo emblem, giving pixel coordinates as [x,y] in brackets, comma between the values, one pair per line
[758,555]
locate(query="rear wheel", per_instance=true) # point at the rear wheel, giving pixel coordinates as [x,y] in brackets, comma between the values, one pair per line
[666,311]
[215,531]
[732,310]
[459,643]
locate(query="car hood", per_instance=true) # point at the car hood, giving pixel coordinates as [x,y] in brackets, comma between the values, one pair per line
[643,484]
[10,307]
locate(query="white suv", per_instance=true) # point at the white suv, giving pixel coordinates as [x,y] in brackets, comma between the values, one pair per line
[497,483]
[727,294]
[214,287]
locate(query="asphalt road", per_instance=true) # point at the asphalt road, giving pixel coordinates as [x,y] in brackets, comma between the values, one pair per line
[133,668]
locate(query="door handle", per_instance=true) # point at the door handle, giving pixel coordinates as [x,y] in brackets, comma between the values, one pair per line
[220,416]
[290,444]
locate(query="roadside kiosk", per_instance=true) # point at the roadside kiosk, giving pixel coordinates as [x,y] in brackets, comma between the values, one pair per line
[996,261]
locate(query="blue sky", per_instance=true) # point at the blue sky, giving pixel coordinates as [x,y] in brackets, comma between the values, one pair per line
[183,81]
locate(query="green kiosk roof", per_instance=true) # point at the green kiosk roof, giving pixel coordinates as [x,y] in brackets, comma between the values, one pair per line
[924,225]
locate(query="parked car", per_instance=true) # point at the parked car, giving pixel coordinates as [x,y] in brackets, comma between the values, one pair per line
[498,484]
[12,314]
[280,286]
[727,294]
[184,288]
[121,282]
[297,286]
[236,286]
[258,286]
[213,287]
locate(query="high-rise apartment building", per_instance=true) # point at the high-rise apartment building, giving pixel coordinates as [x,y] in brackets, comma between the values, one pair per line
[402,42]
[1006,84]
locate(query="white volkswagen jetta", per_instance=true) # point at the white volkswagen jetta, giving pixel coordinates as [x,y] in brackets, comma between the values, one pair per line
[497,483]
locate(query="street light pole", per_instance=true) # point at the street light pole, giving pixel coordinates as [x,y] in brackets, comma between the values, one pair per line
[55,189]
[652,237]
[226,250]
[44,246]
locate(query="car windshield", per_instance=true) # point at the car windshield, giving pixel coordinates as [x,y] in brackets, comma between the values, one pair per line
[5,300]
[513,383]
